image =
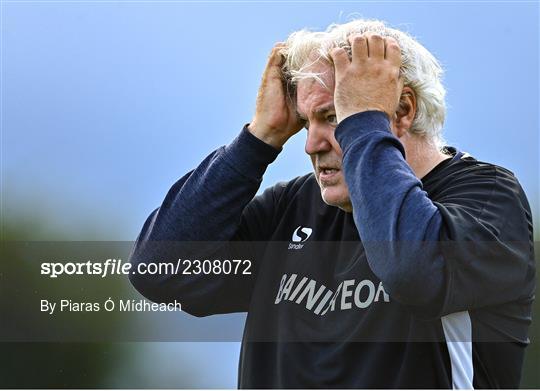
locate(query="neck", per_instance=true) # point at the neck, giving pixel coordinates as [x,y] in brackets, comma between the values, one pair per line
[422,156]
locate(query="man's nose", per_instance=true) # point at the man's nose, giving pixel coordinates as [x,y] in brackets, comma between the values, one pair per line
[318,139]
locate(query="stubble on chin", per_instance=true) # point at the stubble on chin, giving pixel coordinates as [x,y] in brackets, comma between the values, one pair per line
[340,200]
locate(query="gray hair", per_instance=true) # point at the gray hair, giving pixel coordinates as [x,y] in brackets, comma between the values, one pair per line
[420,69]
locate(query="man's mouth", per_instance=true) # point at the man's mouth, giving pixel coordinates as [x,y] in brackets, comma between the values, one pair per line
[327,174]
[329,171]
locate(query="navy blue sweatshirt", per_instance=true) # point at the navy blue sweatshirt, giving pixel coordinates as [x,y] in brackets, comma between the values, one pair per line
[428,283]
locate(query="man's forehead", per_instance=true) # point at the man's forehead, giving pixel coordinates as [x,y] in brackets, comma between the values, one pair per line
[323,70]
[313,97]
[303,111]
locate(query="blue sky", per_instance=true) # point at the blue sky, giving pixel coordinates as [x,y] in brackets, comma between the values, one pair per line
[106,104]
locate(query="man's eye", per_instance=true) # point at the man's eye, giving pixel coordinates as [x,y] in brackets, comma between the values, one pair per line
[332,119]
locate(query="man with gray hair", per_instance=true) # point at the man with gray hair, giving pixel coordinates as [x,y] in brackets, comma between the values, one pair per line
[398,263]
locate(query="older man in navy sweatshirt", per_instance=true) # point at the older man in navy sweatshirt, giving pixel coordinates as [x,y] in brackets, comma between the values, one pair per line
[398,263]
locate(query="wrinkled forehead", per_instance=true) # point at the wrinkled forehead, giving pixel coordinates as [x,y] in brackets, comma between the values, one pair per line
[313,92]
[316,70]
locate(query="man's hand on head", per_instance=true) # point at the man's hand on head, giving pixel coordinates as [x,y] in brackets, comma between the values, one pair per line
[370,80]
[275,119]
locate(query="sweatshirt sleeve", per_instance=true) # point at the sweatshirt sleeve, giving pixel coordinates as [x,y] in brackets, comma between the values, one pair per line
[470,249]
[201,214]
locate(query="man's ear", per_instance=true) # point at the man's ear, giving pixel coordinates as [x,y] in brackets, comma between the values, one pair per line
[405,112]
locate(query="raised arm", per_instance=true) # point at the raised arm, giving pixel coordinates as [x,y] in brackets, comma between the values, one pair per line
[472,248]
[214,204]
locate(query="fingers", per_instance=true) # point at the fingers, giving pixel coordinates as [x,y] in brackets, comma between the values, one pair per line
[276,58]
[392,51]
[372,45]
[275,61]
[359,47]
[375,45]
[340,58]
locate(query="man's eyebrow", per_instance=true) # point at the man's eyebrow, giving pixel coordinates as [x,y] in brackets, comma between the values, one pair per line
[325,109]
[320,110]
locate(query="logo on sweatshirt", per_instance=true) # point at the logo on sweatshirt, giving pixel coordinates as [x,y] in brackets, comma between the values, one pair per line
[315,297]
[300,234]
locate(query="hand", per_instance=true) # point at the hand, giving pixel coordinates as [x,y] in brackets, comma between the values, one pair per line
[370,80]
[275,119]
